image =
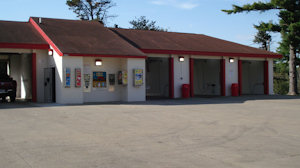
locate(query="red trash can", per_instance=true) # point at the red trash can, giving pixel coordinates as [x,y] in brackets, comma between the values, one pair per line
[185,91]
[235,89]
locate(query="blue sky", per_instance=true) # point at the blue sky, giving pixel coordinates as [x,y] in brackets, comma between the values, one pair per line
[190,16]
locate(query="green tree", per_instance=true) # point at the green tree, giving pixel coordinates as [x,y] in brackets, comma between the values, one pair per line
[91,9]
[263,38]
[142,23]
[288,25]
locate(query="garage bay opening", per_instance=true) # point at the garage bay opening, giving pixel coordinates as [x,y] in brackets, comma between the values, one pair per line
[157,78]
[15,76]
[252,77]
[207,80]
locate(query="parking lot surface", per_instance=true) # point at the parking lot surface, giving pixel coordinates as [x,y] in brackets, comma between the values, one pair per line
[222,132]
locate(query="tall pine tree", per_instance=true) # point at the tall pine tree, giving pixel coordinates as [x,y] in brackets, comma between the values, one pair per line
[91,9]
[289,26]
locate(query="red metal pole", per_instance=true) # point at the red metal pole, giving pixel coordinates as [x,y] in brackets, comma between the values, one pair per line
[240,71]
[34,87]
[266,77]
[223,83]
[192,77]
[171,77]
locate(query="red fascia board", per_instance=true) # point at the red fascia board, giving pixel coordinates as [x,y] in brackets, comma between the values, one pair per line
[24,46]
[102,55]
[43,34]
[155,51]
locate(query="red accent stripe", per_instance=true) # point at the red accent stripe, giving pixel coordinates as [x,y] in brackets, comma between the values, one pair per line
[24,46]
[209,53]
[223,82]
[171,77]
[100,55]
[266,77]
[43,34]
[192,77]
[240,71]
[34,87]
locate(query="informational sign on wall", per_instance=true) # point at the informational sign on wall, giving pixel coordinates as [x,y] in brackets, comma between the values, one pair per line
[68,77]
[87,79]
[137,77]
[77,77]
[125,78]
[112,79]
[99,79]
[122,78]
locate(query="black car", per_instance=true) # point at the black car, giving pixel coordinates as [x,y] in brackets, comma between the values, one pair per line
[8,87]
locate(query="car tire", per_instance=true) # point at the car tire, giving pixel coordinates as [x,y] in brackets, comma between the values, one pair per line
[12,99]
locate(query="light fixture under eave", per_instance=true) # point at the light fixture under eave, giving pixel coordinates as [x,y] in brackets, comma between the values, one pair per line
[98,62]
[50,52]
[181,59]
[231,60]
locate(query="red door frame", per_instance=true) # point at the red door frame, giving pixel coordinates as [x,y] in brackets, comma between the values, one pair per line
[223,77]
[171,77]
[191,77]
[34,87]
[266,77]
[240,72]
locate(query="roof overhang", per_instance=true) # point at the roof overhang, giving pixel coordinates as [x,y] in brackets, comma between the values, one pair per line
[24,46]
[205,53]
[102,55]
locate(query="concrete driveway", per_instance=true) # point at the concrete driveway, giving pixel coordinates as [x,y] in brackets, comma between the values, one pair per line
[213,132]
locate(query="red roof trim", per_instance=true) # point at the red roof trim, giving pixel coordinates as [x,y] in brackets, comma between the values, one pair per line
[152,51]
[101,55]
[24,46]
[43,34]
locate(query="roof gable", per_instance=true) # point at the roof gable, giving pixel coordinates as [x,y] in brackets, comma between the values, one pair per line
[184,43]
[84,38]
[20,35]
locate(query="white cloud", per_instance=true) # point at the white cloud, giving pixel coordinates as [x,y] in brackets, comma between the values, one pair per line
[182,4]
[188,5]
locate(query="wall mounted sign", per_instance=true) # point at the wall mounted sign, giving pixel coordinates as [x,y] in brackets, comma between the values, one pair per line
[112,79]
[68,77]
[99,79]
[77,77]
[87,79]
[122,78]
[138,77]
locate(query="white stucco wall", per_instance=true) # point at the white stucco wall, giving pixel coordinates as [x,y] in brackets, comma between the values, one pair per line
[115,92]
[72,95]
[42,62]
[57,62]
[181,74]
[231,74]
[135,93]
[110,92]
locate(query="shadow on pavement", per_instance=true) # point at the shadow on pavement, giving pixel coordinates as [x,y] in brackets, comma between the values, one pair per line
[162,102]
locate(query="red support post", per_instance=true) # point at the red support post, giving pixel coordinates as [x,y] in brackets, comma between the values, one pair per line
[34,87]
[191,77]
[223,82]
[266,77]
[240,71]
[171,77]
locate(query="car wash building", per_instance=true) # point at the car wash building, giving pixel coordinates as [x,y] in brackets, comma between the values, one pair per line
[72,61]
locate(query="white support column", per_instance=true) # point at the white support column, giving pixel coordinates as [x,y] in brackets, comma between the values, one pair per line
[231,71]
[132,93]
